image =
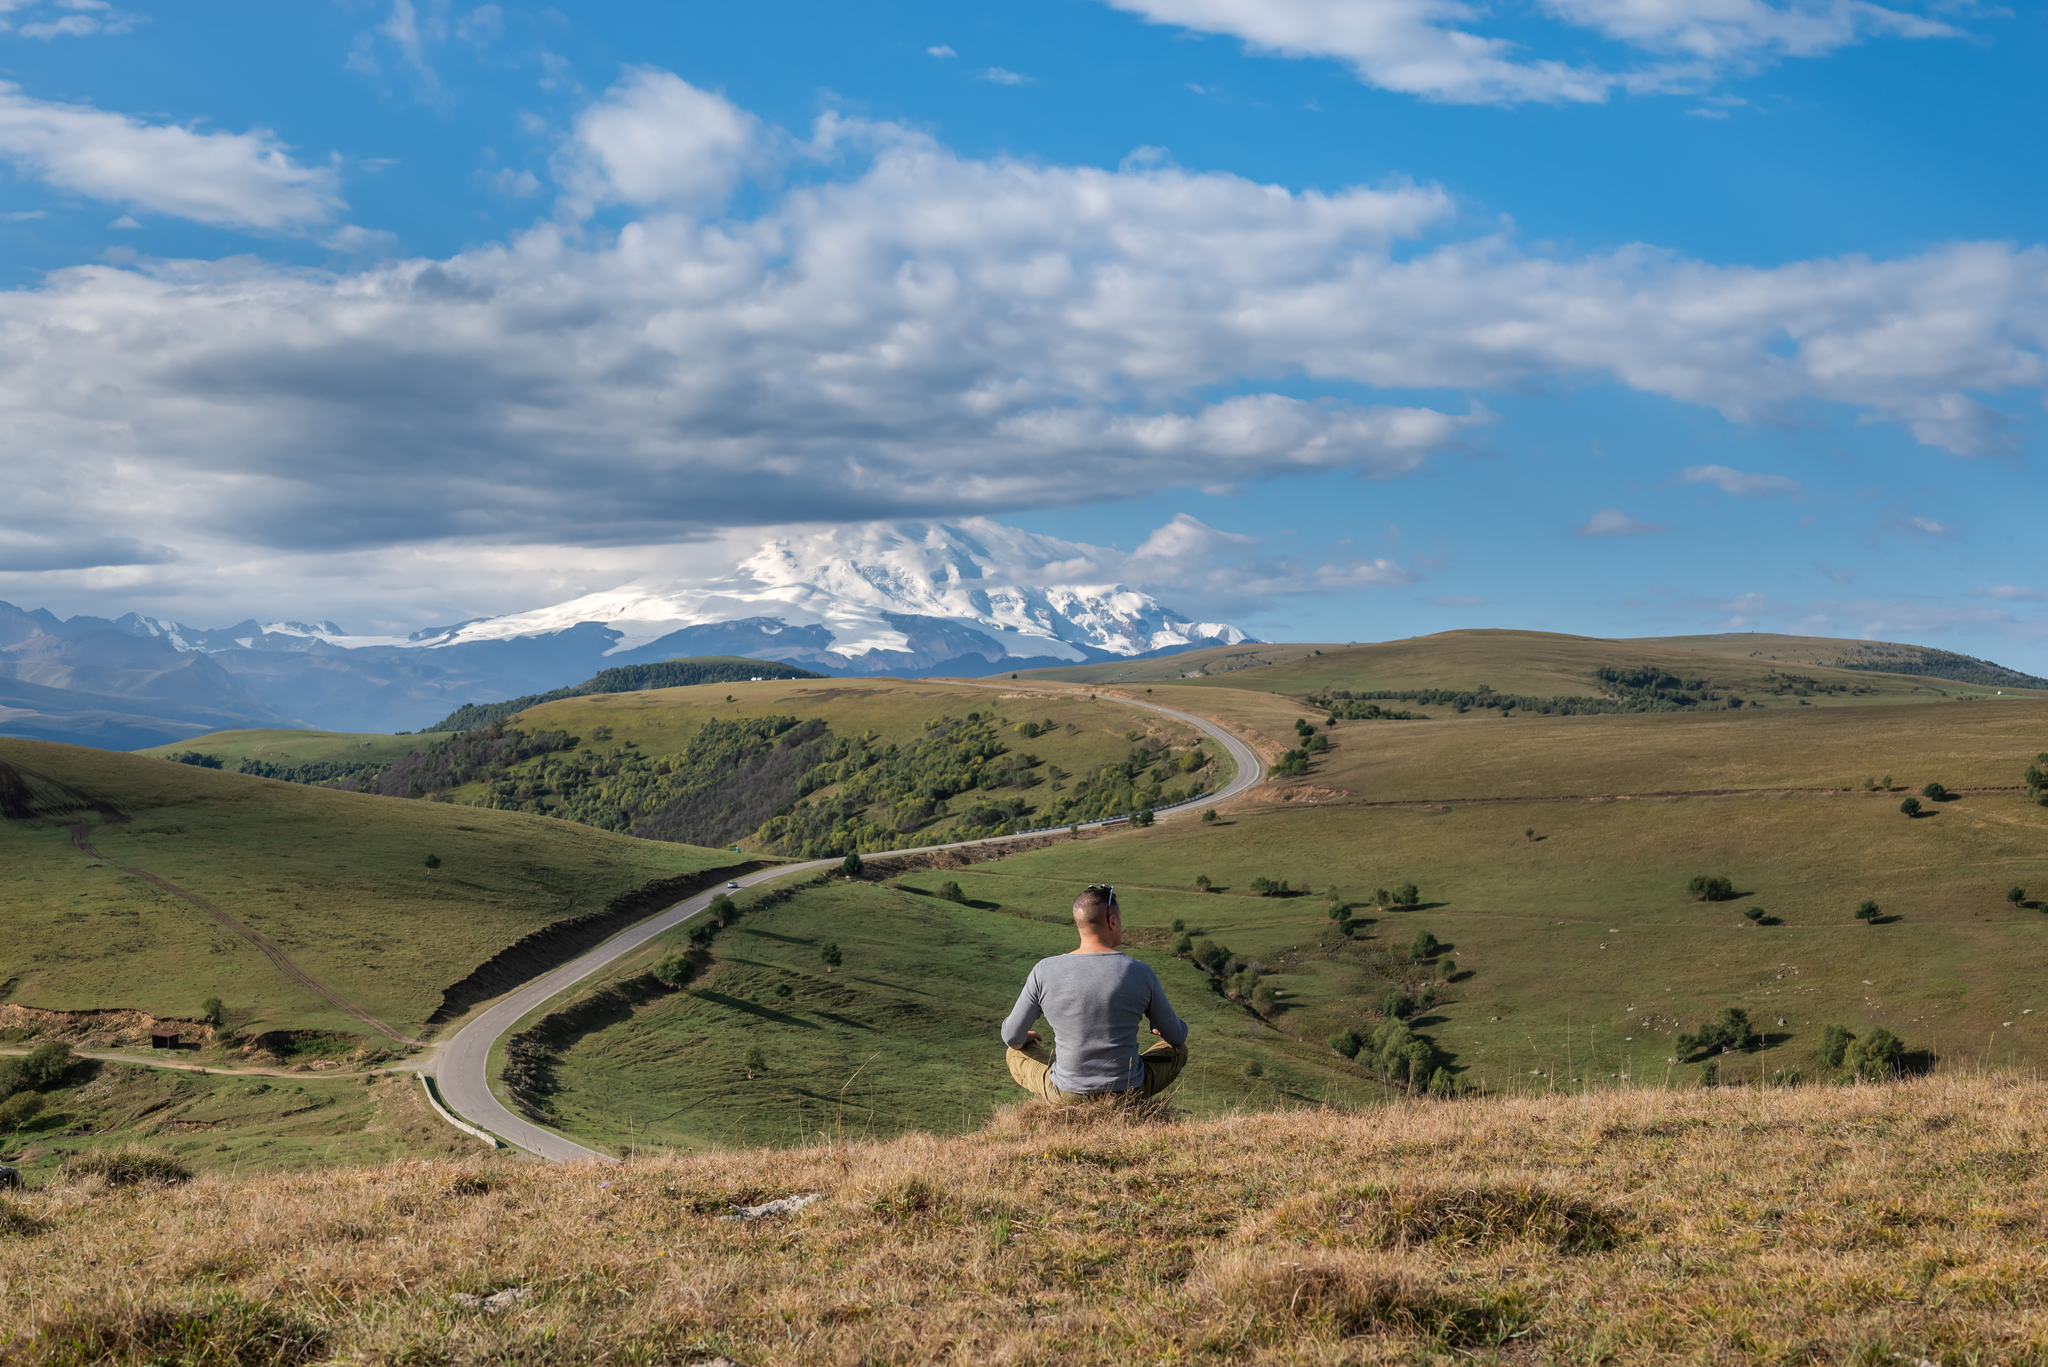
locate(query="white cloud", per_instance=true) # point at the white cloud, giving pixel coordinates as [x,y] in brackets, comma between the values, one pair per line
[1434,49]
[909,332]
[940,51]
[1940,530]
[1741,485]
[79,19]
[657,141]
[1002,77]
[1615,522]
[126,221]
[2011,593]
[245,180]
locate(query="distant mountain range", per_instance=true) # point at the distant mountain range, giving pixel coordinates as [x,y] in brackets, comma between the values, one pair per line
[897,599]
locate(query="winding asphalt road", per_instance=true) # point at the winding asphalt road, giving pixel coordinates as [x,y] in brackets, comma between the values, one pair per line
[460,1066]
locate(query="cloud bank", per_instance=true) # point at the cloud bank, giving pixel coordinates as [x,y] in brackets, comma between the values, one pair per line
[889,330]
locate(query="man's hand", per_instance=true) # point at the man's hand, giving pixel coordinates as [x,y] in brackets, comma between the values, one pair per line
[1031,1037]
[1157,1033]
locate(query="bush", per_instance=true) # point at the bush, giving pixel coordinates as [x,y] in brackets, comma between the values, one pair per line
[951,891]
[1347,1043]
[1395,1005]
[1183,946]
[755,1063]
[43,1068]
[1707,888]
[2016,895]
[210,1011]
[1179,924]
[433,861]
[1877,1055]
[1407,895]
[1335,911]
[125,1167]
[671,970]
[701,933]
[1211,955]
[1267,887]
[850,866]
[1202,881]
[1423,946]
[1208,816]
[1866,910]
[1143,818]
[1445,968]
[1442,1084]
[19,1109]
[1731,1031]
[1834,1043]
[1755,913]
[830,954]
[1934,792]
[1265,999]
[1911,806]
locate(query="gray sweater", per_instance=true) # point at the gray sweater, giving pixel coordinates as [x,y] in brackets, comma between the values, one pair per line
[1093,1003]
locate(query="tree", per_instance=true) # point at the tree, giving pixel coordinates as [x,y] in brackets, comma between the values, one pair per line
[1423,946]
[43,1069]
[1183,946]
[433,861]
[1834,1043]
[1208,815]
[671,969]
[2016,895]
[1442,1084]
[1731,1031]
[1395,1005]
[1143,818]
[701,933]
[1407,895]
[1445,967]
[950,891]
[1877,1055]
[1211,955]
[1529,833]
[1934,792]
[18,1110]
[1911,807]
[1704,887]
[1887,782]
[1755,913]
[1347,1043]
[1866,910]
[850,866]
[210,1011]
[1264,999]
[831,955]
[755,1063]
[1335,911]
[1202,881]
[1179,924]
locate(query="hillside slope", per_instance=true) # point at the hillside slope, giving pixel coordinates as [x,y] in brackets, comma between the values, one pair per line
[337,880]
[1871,1224]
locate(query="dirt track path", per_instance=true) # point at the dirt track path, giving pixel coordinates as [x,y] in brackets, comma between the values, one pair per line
[80,837]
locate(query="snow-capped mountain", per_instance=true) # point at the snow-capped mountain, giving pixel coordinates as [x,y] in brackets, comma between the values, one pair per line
[907,599]
[881,596]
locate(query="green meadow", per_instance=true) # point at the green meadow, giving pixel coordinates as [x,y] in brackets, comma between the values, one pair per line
[299,747]
[338,880]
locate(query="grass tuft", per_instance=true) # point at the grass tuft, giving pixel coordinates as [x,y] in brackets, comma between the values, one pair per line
[125,1167]
[17,1223]
[1480,1215]
[229,1333]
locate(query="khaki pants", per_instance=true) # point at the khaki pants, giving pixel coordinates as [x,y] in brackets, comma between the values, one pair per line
[1031,1066]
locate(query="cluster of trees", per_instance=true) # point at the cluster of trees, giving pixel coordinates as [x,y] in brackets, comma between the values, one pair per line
[1732,1031]
[1461,700]
[2037,779]
[1702,887]
[1406,895]
[313,771]
[24,1079]
[1879,1054]
[1268,887]
[1399,1055]
[1241,982]
[1347,708]
[483,755]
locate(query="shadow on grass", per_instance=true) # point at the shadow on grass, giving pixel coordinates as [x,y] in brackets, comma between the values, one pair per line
[895,987]
[837,1019]
[779,939]
[754,1009]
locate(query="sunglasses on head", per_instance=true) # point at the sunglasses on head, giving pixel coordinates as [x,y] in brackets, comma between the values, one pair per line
[1109,888]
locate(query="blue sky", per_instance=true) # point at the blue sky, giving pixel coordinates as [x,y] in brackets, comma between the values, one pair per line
[1366,318]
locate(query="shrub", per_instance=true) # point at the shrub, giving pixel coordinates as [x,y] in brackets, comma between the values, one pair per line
[1445,967]
[2016,895]
[1347,1043]
[1202,881]
[43,1068]
[19,1109]
[1179,924]
[1143,818]
[210,1011]
[1255,1069]
[1529,833]
[671,969]
[1395,1005]
[1423,946]
[830,954]
[701,933]
[1441,1084]
[1911,806]
[1211,955]
[1755,913]
[1866,910]
[1934,792]
[125,1167]
[1887,782]
[433,861]
[1183,946]
[755,1062]
[1242,983]
[1208,815]
[1708,888]
[951,891]
[1834,1043]
[1264,999]
[1267,887]
[1877,1055]
[1731,1031]
[1335,911]
[1407,895]
[850,866]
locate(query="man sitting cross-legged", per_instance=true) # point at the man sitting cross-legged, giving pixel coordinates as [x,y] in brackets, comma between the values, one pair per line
[1093,998]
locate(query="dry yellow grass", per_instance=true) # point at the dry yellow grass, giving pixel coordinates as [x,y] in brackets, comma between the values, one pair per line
[1868,1224]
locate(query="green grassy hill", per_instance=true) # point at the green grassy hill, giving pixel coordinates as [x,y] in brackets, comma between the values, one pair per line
[298,747]
[1544,664]
[337,880]
[1578,954]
